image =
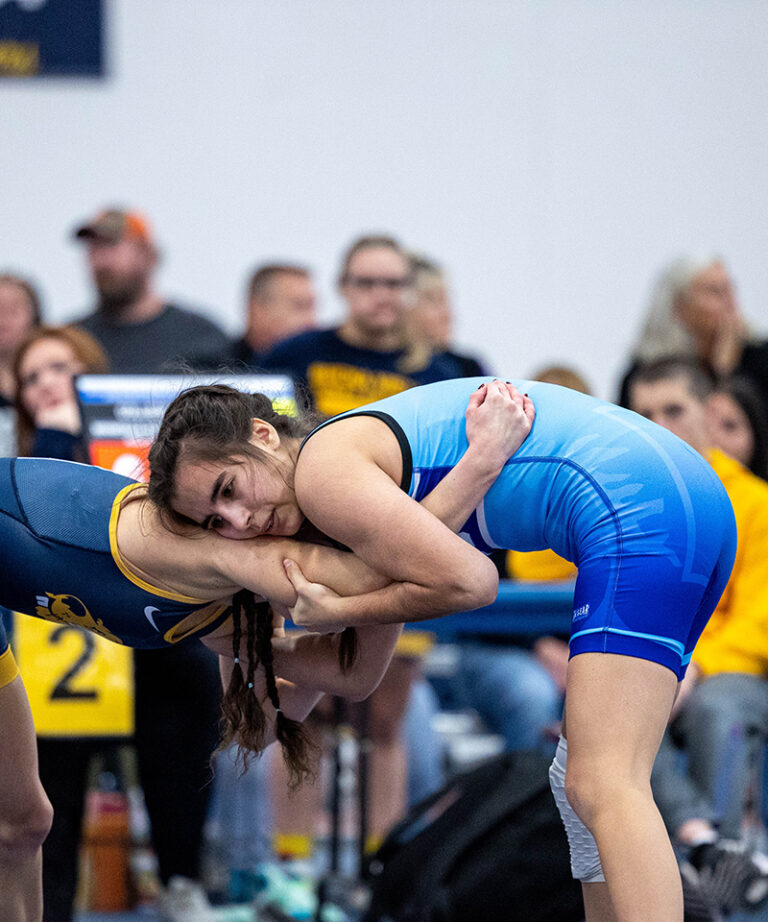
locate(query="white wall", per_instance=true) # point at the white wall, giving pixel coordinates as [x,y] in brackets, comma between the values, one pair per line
[552,154]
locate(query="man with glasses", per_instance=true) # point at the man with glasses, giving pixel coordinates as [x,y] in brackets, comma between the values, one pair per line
[370,355]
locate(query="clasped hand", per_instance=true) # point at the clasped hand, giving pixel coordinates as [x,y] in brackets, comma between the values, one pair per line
[313,609]
[498,420]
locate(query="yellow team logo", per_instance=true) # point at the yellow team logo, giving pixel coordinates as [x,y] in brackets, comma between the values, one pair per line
[68,609]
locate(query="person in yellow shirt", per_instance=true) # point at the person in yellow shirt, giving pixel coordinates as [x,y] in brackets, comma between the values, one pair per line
[720,719]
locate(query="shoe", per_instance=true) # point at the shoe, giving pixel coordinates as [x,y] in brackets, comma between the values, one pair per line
[181,900]
[699,905]
[185,900]
[292,895]
[734,876]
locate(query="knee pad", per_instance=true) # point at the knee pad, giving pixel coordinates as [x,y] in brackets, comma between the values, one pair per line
[585,859]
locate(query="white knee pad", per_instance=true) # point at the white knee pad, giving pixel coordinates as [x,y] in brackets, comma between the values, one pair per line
[585,859]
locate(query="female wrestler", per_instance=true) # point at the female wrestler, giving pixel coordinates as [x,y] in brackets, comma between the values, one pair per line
[86,546]
[641,514]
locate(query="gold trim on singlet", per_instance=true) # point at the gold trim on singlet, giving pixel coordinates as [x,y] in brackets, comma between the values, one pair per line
[180,631]
[8,668]
[123,566]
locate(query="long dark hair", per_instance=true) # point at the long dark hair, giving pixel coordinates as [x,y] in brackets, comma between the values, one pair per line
[243,719]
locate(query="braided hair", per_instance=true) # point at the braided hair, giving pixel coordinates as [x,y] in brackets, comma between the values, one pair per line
[244,720]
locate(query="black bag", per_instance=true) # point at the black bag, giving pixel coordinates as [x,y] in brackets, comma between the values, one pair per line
[489,847]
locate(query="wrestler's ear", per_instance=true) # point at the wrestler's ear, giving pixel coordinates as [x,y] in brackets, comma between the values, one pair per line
[263,434]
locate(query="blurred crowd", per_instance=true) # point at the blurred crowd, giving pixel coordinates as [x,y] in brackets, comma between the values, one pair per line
[697,367]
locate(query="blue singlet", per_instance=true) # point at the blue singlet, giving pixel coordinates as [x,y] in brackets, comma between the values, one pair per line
[642,515]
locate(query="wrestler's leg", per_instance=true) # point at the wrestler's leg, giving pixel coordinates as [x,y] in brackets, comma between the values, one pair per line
[25,813]
[617,709]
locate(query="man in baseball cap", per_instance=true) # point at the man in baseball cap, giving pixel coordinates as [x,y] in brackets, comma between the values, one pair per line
[113,224]
[140,331]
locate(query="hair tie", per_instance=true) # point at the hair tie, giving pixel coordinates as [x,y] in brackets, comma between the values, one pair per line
[250,685]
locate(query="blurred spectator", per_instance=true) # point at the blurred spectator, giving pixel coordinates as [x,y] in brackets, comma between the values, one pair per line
[19,313]
[49,426]
[371,354]
[738,424]
[281,303]
[48,423]
[564,376]
[431,317]
[720,719]
[178,689]
[140,331]
[694,311]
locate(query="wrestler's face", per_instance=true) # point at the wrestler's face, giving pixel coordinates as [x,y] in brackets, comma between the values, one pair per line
[671,404]
[241,497]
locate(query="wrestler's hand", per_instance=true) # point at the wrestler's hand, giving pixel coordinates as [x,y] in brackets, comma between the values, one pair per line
[498,420]
[314,607]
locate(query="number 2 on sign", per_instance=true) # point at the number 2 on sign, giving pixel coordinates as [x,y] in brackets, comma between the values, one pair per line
[62,690]
[78,684]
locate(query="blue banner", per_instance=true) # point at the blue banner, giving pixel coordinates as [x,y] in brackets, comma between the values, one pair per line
[51,38]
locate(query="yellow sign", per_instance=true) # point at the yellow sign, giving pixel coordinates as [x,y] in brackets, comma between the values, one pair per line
[78,683]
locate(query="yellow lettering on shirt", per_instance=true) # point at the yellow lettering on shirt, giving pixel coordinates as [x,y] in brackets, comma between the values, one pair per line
[336,388]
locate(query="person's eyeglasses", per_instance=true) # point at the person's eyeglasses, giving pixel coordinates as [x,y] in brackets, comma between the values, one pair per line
[369,282]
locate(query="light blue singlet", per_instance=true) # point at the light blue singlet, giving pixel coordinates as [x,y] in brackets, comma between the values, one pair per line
[642,515]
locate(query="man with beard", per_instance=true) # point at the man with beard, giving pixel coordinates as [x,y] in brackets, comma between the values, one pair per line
[138,329]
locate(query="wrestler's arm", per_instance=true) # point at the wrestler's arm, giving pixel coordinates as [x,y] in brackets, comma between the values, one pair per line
[497,420]
[433,571]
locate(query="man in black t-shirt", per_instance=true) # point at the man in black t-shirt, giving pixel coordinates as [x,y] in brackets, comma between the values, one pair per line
[139,331]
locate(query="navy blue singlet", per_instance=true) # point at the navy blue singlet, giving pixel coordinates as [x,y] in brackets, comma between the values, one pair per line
[60,559]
